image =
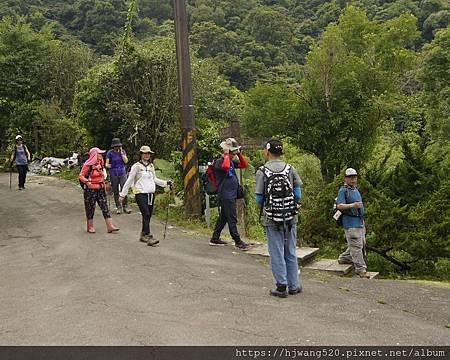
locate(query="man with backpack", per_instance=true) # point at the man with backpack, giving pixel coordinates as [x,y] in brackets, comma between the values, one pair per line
[278,191]
[228,190]
[349,202]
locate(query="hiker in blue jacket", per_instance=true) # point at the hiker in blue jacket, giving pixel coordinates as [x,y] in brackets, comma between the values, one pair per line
[349,201]
[278,192]
[227,192]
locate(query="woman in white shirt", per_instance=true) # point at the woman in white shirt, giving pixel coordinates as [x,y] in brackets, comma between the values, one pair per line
[143,180]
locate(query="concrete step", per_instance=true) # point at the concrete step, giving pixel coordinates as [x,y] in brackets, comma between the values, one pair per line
[304,254]
[373,274]
[330,265]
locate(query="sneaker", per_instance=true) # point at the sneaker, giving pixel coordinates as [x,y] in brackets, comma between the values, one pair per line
[295,291]
[151,241]
[143,237]
[21,188]
[217,242]
[118,211]
[126,210]
[345,262]
[363,275]
[280,292]
[242,246]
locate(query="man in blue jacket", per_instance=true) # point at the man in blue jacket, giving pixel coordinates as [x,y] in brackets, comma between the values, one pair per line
[349,201]
[227,192]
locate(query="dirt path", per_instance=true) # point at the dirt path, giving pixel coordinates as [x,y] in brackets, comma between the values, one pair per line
[61,286]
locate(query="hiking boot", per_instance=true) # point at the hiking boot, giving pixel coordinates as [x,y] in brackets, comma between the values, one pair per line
[242,245]
[151,241]
[280,291]
[218,242]
[363,275]
[295,291]
[126,210]
[345,262]
[144,237]
[118,210]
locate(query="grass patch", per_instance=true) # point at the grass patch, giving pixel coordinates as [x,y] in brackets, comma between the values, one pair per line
[68,174]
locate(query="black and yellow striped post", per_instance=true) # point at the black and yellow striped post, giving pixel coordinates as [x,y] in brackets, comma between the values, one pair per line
[188,142]
[190,173]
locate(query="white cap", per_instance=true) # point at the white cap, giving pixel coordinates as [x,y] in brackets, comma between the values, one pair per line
[350,172]
[18,137]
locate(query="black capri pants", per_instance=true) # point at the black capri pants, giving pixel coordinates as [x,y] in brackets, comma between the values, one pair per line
[92,196]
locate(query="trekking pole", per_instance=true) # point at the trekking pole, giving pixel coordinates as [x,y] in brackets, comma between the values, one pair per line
[167,212]
[10,177]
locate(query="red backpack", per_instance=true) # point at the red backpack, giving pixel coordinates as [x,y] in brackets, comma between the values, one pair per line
[209,180]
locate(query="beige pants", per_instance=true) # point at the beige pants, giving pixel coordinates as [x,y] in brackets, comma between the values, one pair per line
[356,247]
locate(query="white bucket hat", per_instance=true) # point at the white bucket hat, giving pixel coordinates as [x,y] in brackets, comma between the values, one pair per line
[230,144]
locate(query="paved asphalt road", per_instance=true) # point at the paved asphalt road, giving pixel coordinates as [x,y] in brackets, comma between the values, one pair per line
[62,286]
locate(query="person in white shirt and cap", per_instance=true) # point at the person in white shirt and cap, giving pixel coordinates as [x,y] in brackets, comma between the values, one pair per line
[143,180]
[349,202]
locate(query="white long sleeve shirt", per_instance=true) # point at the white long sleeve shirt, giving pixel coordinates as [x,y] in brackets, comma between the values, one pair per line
[142,179]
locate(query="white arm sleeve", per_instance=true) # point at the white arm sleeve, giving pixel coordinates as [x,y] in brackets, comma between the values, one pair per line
[130,181]
[160,182]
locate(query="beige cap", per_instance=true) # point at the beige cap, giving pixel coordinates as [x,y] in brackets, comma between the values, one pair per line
[146,149]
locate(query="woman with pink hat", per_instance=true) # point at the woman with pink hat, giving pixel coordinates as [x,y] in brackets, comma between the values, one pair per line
[92,175]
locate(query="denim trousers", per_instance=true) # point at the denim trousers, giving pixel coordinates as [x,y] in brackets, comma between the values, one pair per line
[283,255]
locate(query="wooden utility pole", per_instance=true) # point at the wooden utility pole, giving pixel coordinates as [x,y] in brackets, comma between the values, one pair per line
[188,142]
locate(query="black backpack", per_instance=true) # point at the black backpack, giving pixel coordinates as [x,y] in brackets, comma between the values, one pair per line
[279,204]
[209,181]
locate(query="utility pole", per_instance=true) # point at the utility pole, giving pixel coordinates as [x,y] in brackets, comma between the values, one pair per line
[188,142]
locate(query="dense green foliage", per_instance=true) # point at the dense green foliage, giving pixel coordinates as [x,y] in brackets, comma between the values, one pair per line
[361,83]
